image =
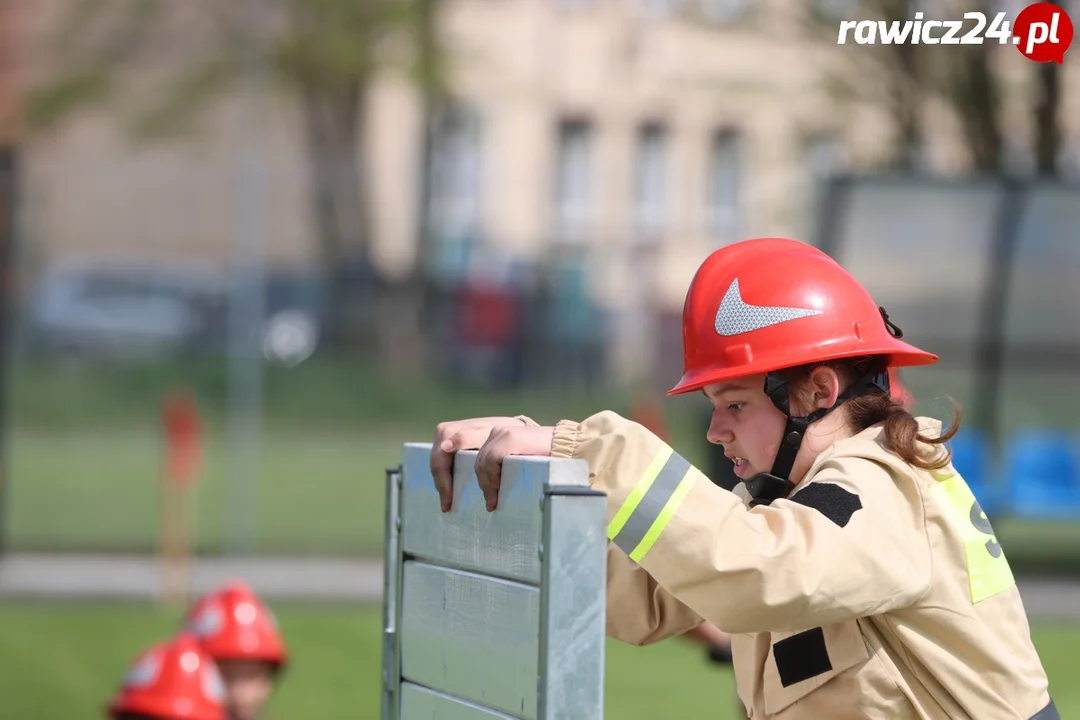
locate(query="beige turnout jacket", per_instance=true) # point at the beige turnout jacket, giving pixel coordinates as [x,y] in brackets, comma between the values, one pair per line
[876,590]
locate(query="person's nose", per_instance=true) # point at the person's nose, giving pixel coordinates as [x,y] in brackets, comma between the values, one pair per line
[719,432]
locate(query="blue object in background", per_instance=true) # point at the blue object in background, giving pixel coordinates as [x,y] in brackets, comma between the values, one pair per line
[1042,470]
[973,458]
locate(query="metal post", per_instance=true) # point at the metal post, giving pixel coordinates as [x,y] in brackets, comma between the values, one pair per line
[990,358]
[391,659]
[246,303]
[8,208]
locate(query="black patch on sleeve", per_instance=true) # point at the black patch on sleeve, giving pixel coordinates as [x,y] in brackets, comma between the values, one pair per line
[832,501]
[801,657]
[1050,712]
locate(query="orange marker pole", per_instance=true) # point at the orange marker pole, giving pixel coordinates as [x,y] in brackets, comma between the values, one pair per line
[181,466]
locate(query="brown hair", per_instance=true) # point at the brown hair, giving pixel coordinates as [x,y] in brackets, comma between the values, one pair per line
[870,406]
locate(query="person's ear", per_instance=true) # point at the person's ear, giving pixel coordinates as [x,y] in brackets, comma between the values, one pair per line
[825,386]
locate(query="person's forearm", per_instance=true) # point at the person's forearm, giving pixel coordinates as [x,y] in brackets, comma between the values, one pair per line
[709,634]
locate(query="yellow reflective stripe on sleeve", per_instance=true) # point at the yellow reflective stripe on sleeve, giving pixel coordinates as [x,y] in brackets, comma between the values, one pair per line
[665,516]
[651,504]
[988,570]
[642,487]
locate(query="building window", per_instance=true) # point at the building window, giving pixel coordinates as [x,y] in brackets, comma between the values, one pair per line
[576,4]
[650,178]
[724,183]
[835,9]
[455,174]
[657,9]
[573,178]
[724,11]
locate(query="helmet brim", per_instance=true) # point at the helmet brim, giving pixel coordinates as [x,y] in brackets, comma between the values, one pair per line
[900,354]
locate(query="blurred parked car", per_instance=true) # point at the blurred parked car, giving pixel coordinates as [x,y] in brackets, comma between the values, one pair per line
[102,309]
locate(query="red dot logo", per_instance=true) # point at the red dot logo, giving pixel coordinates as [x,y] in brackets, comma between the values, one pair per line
[1043,32]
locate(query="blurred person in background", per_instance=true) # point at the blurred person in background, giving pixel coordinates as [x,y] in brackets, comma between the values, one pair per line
[174,680]
[900,393]
[489,322]
[242,636]
[852,565]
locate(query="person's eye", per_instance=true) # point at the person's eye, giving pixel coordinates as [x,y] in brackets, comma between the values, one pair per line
[735,407]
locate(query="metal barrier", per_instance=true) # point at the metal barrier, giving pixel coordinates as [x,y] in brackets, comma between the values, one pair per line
[494,615]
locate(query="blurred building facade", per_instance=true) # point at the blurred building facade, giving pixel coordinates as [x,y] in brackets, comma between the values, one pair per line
[640,134]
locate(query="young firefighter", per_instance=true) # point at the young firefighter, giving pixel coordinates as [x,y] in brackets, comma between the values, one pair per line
[240,633]
[853,567]
[174,680]
[722,473]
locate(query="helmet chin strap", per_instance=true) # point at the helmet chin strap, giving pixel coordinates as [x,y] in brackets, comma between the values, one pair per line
[764,487]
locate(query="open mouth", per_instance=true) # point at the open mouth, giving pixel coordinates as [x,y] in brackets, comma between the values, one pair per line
[741,465]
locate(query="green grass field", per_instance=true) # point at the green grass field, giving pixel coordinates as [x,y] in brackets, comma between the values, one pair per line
[63,661]
[83,465]
[83,453]
[320,493]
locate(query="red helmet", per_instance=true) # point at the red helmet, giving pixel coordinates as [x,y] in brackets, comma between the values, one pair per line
[233,624]
[766,304]
[175,680]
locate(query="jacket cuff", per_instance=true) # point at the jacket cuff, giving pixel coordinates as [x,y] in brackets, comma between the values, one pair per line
[565,439]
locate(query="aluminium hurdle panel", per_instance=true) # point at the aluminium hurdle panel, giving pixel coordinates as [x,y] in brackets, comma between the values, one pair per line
[494,615]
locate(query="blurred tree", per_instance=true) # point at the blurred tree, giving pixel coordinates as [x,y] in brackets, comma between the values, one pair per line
[965,79]
[326,53]
[1047,122]
[889,74]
